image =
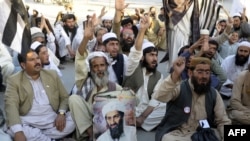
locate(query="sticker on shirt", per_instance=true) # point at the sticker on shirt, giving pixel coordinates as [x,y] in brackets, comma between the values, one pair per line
[187,110]
[204,123]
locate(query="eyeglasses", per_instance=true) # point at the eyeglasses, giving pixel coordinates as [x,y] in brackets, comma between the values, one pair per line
[200,71]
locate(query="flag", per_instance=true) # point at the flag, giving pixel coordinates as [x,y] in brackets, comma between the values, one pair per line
[205,13]
[238,5]
[14,25]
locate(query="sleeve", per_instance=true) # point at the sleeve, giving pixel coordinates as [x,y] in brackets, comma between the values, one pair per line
[133,61]
[235,101]
[168,90]
[63,94]
[12,103]
[218,71]
[81,68]
[221,117]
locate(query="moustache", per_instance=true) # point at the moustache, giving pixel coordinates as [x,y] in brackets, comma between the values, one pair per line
[37,65]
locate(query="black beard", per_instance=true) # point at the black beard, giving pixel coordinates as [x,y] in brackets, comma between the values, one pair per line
[46,63]
[240,60]
[126,46]
[146,65]
[117,131]
[200,88]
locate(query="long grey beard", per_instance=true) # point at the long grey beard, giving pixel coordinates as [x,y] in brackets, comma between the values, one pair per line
[100,82]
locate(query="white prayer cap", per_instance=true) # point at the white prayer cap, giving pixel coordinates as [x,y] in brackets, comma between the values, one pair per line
[204,32]
[147,44]
[36,32]
[244,44]
[97,54]
[34,45]
[107,17]
[109,35]
[113,106]
[236,15]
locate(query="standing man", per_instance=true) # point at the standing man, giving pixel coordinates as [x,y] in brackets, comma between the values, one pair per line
[36,103]
[144,79]
[65,35]
[189,102]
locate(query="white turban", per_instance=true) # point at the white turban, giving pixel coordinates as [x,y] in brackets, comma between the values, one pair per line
[34,45]
[244,43]
[109,35]
[147,44]
[113,106]
[97,54]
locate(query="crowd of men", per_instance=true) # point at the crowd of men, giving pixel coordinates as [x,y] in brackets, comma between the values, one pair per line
[208,80]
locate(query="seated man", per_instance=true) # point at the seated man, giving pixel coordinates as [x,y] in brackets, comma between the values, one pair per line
[88,84]
[239,106]
[43,54]
[233,65]
[189,102]
[113,113]
[36,103]
[144,79]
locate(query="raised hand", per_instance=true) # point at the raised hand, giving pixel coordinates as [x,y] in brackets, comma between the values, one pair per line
[120,5]
[89,27]
[145,22]
[178,66]
[103,12]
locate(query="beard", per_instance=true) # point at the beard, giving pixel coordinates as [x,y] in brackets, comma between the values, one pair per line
[147,66]
[240,60]
[126,46]
[200,88]
[117,131]
[100,82]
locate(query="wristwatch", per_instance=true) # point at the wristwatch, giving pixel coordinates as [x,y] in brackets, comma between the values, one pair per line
[61,113]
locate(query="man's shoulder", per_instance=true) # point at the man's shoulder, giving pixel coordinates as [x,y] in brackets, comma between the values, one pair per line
[48,72]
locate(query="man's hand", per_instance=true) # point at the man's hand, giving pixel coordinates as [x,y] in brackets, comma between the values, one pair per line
[145,22]
[103,12]
[178,66]
[120,5]
[196,45]
[139,121]
[90,27]
[60,122]
[19,136]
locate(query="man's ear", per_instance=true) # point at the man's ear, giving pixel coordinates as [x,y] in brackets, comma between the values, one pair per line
[190,73]
[22,65]
[142,58]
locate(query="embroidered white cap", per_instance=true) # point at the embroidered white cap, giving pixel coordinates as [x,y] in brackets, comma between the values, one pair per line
[97,54]
[244,44]
[113,106]
[237,15]
[147,44]
[107,17]
[109,35]
[34,45]
[204,32]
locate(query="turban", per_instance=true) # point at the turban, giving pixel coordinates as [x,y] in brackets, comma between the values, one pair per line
[113,106]
[97,54]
